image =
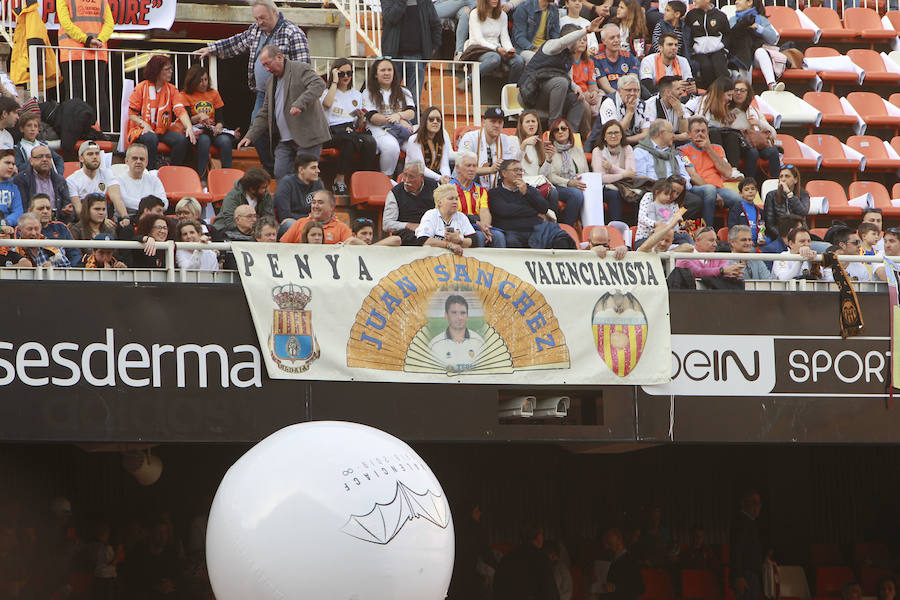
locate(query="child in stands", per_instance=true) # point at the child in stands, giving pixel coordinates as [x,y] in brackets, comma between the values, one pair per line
[671,23]
[657,206]
[10,198]
[30,126]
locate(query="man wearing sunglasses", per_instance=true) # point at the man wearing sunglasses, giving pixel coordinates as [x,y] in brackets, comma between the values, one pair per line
[40,178]
[848,243]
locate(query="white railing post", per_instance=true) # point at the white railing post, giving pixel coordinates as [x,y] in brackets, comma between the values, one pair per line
[354,28]
[33,71]
[476,93]
[170,262]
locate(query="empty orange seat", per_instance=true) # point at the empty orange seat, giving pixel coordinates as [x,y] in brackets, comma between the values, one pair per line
[571,231]
[832,152]
[877,157]
[831,77]
[867,22]
[830,107]
[825,555]
[829,580]
[182,182]
[700,584]
[894,17]
[870,107]
[867,552]
[819,232]
[872,63]
[880,196]
[828,21]
[368,189]
[220,182]
[837,199]
[793,155]
[657,585]
[786,23]
[870,577]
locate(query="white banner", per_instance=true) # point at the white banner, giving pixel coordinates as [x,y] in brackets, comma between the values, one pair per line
[129,15]
[425,315]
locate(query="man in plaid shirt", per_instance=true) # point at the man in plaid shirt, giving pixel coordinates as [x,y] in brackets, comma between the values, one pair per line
[271,28]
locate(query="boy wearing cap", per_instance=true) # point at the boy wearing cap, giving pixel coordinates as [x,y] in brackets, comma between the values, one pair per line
[91,178]
[101,258]
[491,146]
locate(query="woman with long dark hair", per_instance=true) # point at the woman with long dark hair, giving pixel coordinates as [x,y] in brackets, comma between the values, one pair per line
[344,110]
[759,134]
[568,162]
[633,27]
[716,109]
[536,154]
[153,107]
[390,108]
[432,145]
[202,102]
[789,199]
[92,219]
[614,159]
[151,229]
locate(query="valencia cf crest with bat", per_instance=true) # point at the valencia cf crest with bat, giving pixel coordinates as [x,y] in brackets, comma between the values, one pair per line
[292,343]
[620,331]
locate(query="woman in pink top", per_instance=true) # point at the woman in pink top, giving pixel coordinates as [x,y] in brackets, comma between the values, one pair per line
[615,160]
[705,241]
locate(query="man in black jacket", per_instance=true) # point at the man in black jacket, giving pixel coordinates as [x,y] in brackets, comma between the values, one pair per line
[294,194]
[746,555]
[411,30]
[40,177]
[526,573]
[706,31]
[623,580]
[516,207]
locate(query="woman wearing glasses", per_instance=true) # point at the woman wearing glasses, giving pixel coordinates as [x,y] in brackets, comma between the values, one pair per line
[151,229]
[153,107]
[343,109]
[567,163]
[759,134]
[432,146]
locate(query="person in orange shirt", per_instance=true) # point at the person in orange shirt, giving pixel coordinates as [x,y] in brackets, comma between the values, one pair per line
[201,102]
[707,170]
[153,107]
[321,209]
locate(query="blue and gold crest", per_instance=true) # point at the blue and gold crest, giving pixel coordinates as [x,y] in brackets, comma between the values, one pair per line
[292,343]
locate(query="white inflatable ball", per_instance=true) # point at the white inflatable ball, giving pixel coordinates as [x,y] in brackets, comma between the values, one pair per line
[330,511]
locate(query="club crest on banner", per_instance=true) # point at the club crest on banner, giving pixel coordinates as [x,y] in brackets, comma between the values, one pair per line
[620,331]
[292,343]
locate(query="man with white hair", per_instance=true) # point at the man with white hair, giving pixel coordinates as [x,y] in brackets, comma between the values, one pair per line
[407,202]
[741,241]
[626,107]
[473,201]
[270,29]
[29,228]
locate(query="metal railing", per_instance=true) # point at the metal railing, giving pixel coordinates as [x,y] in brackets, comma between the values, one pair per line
[438,87]
[171,270]
[120,74]
[364,17]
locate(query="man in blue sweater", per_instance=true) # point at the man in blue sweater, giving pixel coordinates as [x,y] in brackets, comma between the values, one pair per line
[516,207]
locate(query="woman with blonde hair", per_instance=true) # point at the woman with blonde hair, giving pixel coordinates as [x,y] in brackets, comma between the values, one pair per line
[444,226]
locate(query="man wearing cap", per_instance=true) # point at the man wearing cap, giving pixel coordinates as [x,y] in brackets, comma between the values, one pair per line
[490,146]
[101,258]
[91,178]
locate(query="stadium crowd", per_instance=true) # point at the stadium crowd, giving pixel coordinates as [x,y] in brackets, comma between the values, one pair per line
[675,149]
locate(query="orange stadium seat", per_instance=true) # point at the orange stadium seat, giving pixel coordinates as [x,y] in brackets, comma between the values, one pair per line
[867,22]
[700,584]
[868,552]
[722,234]
[104,145]
[793,155]
[220,182]
[657,585]
[837,199]
[786,23]
[872,63]
[828,21]
[830,107]
[894,18]
[877,157]
[571,231]
[831,77]
[829,580]
[882,200]
[70,167]
[832,152]
[870,107]
[182,182]
[368,189]
[819,232]
[461,131]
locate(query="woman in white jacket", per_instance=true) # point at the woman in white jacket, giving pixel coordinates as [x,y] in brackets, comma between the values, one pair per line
[431,145]
[189,231]
[488,30]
